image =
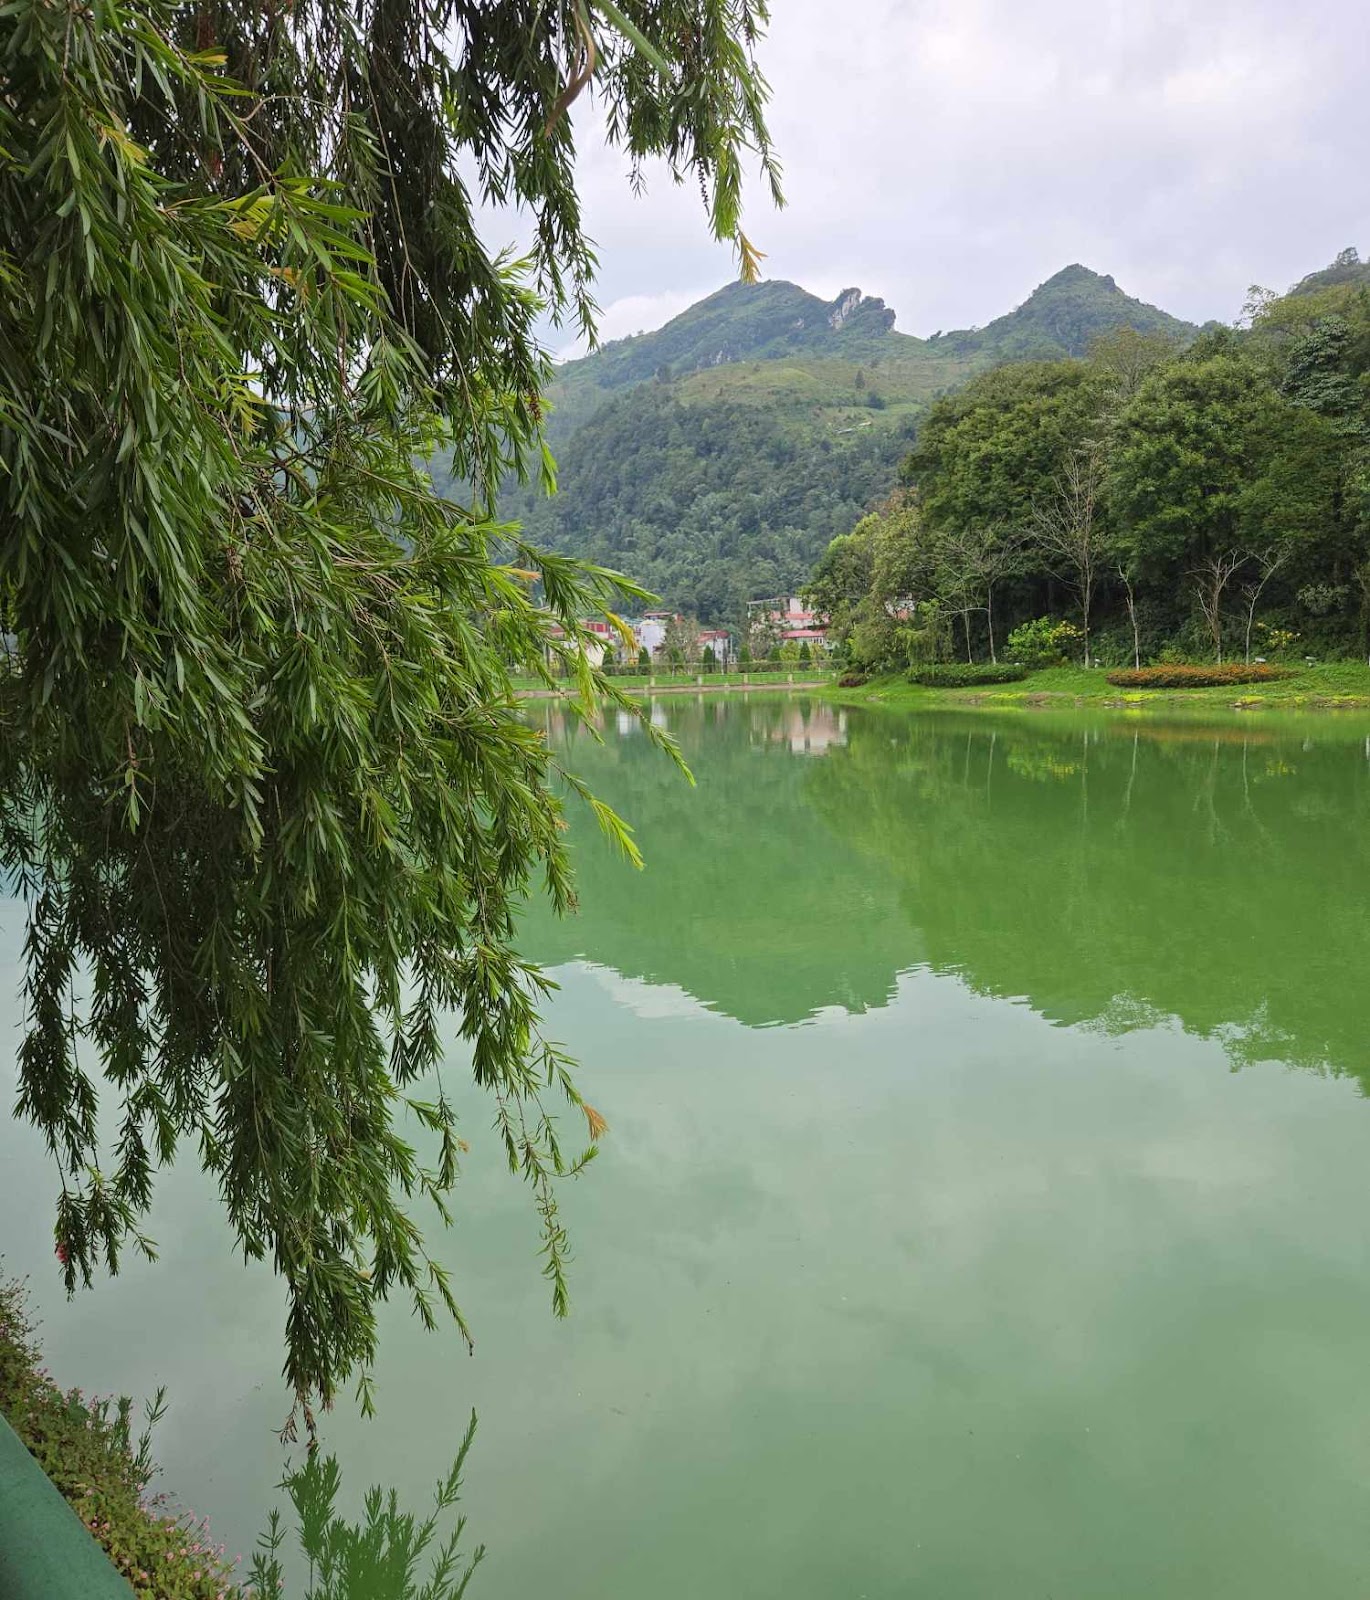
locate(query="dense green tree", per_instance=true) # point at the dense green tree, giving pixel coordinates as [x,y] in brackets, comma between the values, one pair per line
[1175,496]
[1190,444]
[1218,479]
[990,451]
[842,579]
[263,780]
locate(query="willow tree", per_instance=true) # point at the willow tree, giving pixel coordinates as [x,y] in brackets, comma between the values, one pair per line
[262,779]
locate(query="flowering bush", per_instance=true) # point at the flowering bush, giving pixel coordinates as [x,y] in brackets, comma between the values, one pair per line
[1178,676]
[1043,643]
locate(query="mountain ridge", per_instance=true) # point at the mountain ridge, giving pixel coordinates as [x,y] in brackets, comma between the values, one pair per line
[778,320]
[713,458]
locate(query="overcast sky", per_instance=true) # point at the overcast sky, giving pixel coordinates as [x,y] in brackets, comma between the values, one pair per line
[948,155]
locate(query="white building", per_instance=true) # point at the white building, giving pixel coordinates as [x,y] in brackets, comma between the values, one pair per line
[786,619]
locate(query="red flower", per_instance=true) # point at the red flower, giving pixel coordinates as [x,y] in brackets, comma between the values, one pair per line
[62,1252]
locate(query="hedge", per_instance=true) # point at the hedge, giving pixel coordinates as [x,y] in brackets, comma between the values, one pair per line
[964,674]
[1196,677]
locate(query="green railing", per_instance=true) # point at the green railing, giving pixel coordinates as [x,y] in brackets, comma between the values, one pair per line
[45,1551]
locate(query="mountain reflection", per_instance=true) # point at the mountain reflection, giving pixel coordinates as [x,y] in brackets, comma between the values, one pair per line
[748,900]
[1110,871]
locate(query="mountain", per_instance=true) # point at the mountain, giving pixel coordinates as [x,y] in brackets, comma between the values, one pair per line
[1348,268]
[1064,316]
[714,458]
[743,325]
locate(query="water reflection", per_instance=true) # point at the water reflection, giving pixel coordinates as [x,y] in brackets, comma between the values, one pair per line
[749,901]
[1111,871]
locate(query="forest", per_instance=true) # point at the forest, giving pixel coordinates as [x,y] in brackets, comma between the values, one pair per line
[710,506]
[1156,501]
[715,458]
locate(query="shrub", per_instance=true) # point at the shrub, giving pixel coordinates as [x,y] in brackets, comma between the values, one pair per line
[852,680]
[1177,675]
[965,674]
[1043,643]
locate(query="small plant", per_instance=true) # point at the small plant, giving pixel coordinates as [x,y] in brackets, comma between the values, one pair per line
[1274,640]
[965,674]
[1043,643]
[852,680]
[1184,676]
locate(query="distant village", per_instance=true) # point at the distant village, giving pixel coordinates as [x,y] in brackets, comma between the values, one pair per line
[781,629]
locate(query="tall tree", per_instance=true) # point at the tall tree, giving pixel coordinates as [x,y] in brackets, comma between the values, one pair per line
[262,777]
[1067,526]
[968,565]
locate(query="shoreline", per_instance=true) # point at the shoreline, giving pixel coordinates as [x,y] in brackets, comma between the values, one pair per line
[687,688]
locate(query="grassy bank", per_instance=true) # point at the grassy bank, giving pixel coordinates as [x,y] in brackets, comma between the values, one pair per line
[1328,687]
[86,1447]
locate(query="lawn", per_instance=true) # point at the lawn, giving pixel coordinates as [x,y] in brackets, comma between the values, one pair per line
[1324,686]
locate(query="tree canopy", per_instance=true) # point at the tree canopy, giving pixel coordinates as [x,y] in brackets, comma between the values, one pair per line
[1185,499]
[262,777]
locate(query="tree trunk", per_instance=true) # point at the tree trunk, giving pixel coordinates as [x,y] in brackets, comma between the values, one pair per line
[1136,632]
[1087,604]
[989,620]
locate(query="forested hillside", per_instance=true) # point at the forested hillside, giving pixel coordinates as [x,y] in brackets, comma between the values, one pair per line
[714,459]
[1152,501]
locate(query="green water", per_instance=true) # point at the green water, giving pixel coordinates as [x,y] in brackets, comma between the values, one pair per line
[984,1212]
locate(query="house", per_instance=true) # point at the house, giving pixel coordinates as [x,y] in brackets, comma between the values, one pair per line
[650,630]
[719,640]
[603,641]
[785,619]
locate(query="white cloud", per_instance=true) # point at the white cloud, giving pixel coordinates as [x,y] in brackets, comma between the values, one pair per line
[636,313]
[950,154]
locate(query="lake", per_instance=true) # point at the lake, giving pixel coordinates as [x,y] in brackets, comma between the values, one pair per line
[984,1207]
